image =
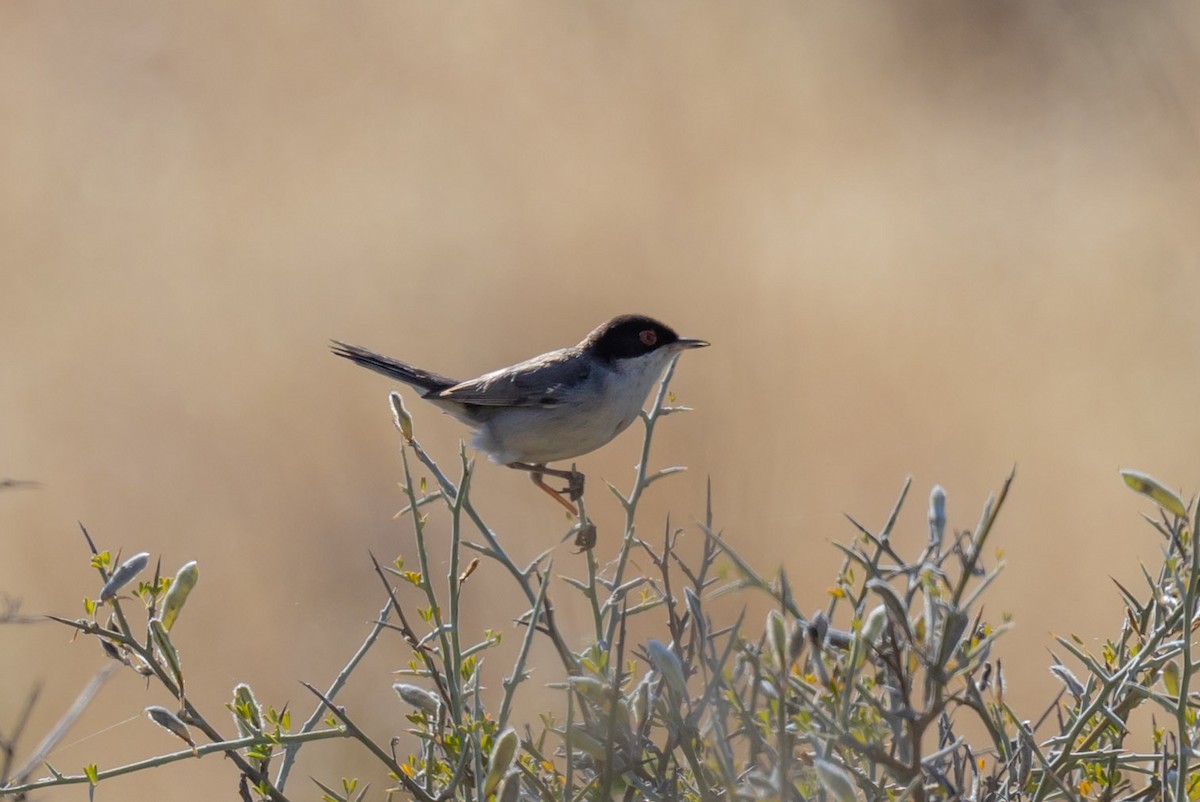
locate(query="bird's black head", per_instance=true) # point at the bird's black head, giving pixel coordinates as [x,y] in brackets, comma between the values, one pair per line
[629,336]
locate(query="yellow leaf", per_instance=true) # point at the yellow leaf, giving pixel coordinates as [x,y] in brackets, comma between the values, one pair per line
[1147,485]
[402,418]
[1170,676]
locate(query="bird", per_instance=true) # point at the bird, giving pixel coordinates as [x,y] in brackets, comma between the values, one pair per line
[553,407]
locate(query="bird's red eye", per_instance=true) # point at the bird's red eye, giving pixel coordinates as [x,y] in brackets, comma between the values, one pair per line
[648,337]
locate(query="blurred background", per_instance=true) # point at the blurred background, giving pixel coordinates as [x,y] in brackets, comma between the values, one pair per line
[930,241]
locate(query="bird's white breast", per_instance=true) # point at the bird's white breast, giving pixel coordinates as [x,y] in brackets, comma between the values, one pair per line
[591,415]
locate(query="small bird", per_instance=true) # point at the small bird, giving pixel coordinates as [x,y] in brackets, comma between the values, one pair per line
[552,407]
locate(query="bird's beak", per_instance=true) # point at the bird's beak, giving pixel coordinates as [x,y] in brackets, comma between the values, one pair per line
[687,342]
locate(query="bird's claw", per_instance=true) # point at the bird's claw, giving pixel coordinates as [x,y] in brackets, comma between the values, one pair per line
[574,488]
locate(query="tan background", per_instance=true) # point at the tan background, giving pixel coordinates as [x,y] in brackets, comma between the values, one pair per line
[933,240]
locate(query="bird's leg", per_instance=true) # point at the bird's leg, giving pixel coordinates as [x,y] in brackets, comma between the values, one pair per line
[574,482]
[554,494]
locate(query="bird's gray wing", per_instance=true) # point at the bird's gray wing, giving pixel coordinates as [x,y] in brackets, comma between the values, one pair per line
[539,382]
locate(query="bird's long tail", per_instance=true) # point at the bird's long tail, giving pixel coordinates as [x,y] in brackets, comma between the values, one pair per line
[431,383]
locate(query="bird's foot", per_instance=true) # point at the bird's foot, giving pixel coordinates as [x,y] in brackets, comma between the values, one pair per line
[574,488]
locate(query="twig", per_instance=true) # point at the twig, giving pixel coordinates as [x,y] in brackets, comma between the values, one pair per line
[228,747]
[68,718]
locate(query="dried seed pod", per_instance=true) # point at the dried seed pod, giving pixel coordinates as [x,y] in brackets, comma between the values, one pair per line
[177,594]
[1068,679]
[818,628]
[171,723]
[795,642]
[123,575]
[835,780]
[166,650]
[112,651]
[418,697]
[777,638]
[510,789]
[503,753]
[937,516]
[872,627]
[668,665]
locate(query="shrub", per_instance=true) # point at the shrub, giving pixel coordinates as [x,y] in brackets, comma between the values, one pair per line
[868,698]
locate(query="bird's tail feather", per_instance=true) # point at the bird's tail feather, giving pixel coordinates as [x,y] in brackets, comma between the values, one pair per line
[431,383]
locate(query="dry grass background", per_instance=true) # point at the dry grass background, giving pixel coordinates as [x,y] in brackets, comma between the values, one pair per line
[930,239]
